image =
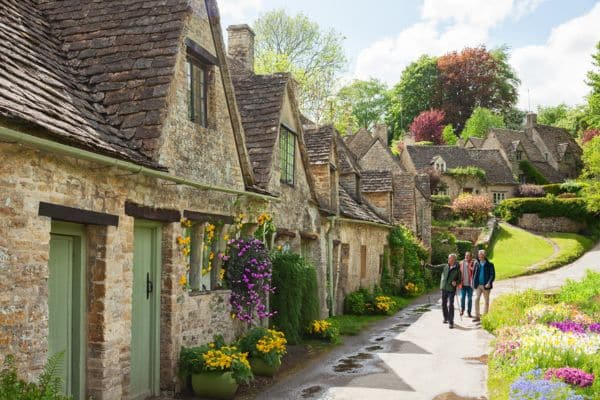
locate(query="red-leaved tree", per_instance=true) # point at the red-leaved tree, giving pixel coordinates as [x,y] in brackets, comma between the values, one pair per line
[428,126]
[589,135]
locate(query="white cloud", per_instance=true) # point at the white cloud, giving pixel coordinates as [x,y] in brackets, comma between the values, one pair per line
[238,10]
[555,71]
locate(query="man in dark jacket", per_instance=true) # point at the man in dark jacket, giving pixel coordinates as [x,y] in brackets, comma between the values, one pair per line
[483,282]
[450,280]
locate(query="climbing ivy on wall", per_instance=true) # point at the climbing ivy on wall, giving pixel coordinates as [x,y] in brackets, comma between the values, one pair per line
[407,256]
[462,174]
[531,173]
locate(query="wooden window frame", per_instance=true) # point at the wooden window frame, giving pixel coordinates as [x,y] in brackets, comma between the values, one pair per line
[363,261]
[519,155]
[192,64]
[496,197]
[285,136]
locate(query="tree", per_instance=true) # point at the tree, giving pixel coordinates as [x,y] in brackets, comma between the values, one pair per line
[413,94]
[593,81]
[513,118]
[480,122]
[449,136]
[366,100]
[473,78]
[589,135]
[315,57]
[591,173]
[427,126]
[573,119]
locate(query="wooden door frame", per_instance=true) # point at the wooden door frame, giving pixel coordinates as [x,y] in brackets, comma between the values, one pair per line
[79,258]
[156,269]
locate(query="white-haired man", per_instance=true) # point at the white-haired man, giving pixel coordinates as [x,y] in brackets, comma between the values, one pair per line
[483,282]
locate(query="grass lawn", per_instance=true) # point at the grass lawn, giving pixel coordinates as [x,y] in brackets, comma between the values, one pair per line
[572,246]
[354,324]
[514,250]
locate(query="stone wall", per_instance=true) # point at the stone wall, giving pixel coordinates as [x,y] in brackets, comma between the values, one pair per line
[462,233]
[533,222]
[381,201]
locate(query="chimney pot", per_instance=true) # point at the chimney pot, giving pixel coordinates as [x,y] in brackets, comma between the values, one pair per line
[240,45]
[531,120]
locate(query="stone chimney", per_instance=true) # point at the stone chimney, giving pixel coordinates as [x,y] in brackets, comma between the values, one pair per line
[531,120]
[240,45]
[381,131]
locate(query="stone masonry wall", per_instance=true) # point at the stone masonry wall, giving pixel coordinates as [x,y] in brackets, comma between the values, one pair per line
[534,222]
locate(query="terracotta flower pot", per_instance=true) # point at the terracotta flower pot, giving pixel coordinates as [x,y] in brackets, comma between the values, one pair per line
[216,385]
[261,368]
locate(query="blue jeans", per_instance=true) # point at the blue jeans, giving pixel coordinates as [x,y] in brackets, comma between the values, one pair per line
[467,292]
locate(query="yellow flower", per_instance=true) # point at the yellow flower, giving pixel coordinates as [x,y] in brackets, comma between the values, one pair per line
[222,274]
[211,256]
[226,237]
[183,280]
[279,247]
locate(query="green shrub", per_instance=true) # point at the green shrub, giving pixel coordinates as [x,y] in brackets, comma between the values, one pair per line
[532,174]
[553,188]
[356,302]
[585,294]
[571,186]
[48,387]
[442,244]
[511,209]
[296,297]
[462,246]
[407,257]
[510,309]
[440,199]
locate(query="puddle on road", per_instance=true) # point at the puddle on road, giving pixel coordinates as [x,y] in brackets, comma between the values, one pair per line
[311,391]
[347,365]
[379,339]
[374,348]
[422,309]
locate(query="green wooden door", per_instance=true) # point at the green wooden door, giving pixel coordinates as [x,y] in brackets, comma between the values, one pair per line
[66,305]
[145,311]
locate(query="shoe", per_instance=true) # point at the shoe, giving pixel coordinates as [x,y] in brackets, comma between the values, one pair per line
[462,312]
[470,316]
[451,326]
[476,319]
[445,322]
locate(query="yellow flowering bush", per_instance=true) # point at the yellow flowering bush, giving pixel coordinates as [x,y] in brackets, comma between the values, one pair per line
[323,329]
[383,304]
[266,344]
[412,289]
[216,357]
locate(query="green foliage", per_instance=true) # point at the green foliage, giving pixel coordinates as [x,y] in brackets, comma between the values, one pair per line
[349,324]
[324,330]
[442,244]
[573,119]
[531,173]
[463,246]
[585,294]
[413,94]
[296,297]
[424,143]
[449,136]
[440,199]
[591,174]
[48,387]
[462,174]
[511,209]
[408,255]
[509,309]
[356,302]
[314,56]
[513,118]
[480,122]
[367,102]
[593,81]
[553,189]
[248,344]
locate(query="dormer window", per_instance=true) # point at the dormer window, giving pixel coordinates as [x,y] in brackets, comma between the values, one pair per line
[439,164]
[197,90]
[287,152]
[519,155]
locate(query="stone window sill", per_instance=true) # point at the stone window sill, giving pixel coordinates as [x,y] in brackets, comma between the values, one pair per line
[195,293]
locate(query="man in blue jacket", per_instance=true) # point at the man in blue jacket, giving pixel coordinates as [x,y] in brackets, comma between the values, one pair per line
[483,280]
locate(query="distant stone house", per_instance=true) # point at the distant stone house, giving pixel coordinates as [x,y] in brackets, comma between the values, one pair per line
[357,221]
[116,121]
[499,182]
[411,205]
[551,151]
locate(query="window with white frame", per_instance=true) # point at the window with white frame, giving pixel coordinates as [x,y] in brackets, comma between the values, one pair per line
[499,196]
[439,164]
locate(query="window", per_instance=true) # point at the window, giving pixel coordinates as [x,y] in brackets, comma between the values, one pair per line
[440,165]
[206,241]
[197,90]
[519,155]
[363,262]
[287,152]
[546,156]
[522,179]
[499,196]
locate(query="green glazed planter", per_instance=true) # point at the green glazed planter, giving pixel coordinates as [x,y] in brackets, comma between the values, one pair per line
[216,385]
[261,368]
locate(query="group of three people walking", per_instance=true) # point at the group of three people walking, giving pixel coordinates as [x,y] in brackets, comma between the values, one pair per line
[469,276]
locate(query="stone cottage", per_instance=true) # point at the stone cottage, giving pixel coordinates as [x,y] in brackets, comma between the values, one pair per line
[357,228]
[498,181]
[551,151]
[117,119]
[411,204]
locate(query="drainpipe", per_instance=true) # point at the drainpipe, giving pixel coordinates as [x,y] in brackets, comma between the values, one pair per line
[13,136]
[330,293]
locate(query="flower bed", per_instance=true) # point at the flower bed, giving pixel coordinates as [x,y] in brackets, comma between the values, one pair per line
[546,349]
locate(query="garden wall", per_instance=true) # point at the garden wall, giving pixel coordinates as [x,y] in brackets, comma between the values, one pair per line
[534,222]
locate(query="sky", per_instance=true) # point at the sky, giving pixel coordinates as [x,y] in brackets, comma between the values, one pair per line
[550,41]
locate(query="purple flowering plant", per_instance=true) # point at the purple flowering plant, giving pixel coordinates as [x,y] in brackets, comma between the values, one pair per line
[248,273]
[569,326]
[572,376]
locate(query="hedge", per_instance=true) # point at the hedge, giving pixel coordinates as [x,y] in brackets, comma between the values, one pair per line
[511,209]
[553,188]
[462,246]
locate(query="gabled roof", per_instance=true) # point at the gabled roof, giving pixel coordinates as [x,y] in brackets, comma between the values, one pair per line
[260,100]
[475,141]
[491,161]
[351,208]
[319,142]
[509,140]
[552,175]
[361,142]
[347,161]
[555,138]
[376,181]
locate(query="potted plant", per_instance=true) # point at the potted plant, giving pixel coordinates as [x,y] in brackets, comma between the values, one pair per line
[216,369]
[265,348]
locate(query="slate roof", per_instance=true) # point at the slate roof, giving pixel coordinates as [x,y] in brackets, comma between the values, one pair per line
[361,142]
[557,140]
[260,99]
[73,67]
[351,208]
[347,162]
[552,175]
[376,181]
[509,140]
[491,161]
[318,143]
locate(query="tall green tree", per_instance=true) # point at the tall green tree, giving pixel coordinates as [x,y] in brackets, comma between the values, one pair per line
[591,173]
[314,56]
[573,119]
[593,80]
[413,94]
[366,100]
[480,122]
